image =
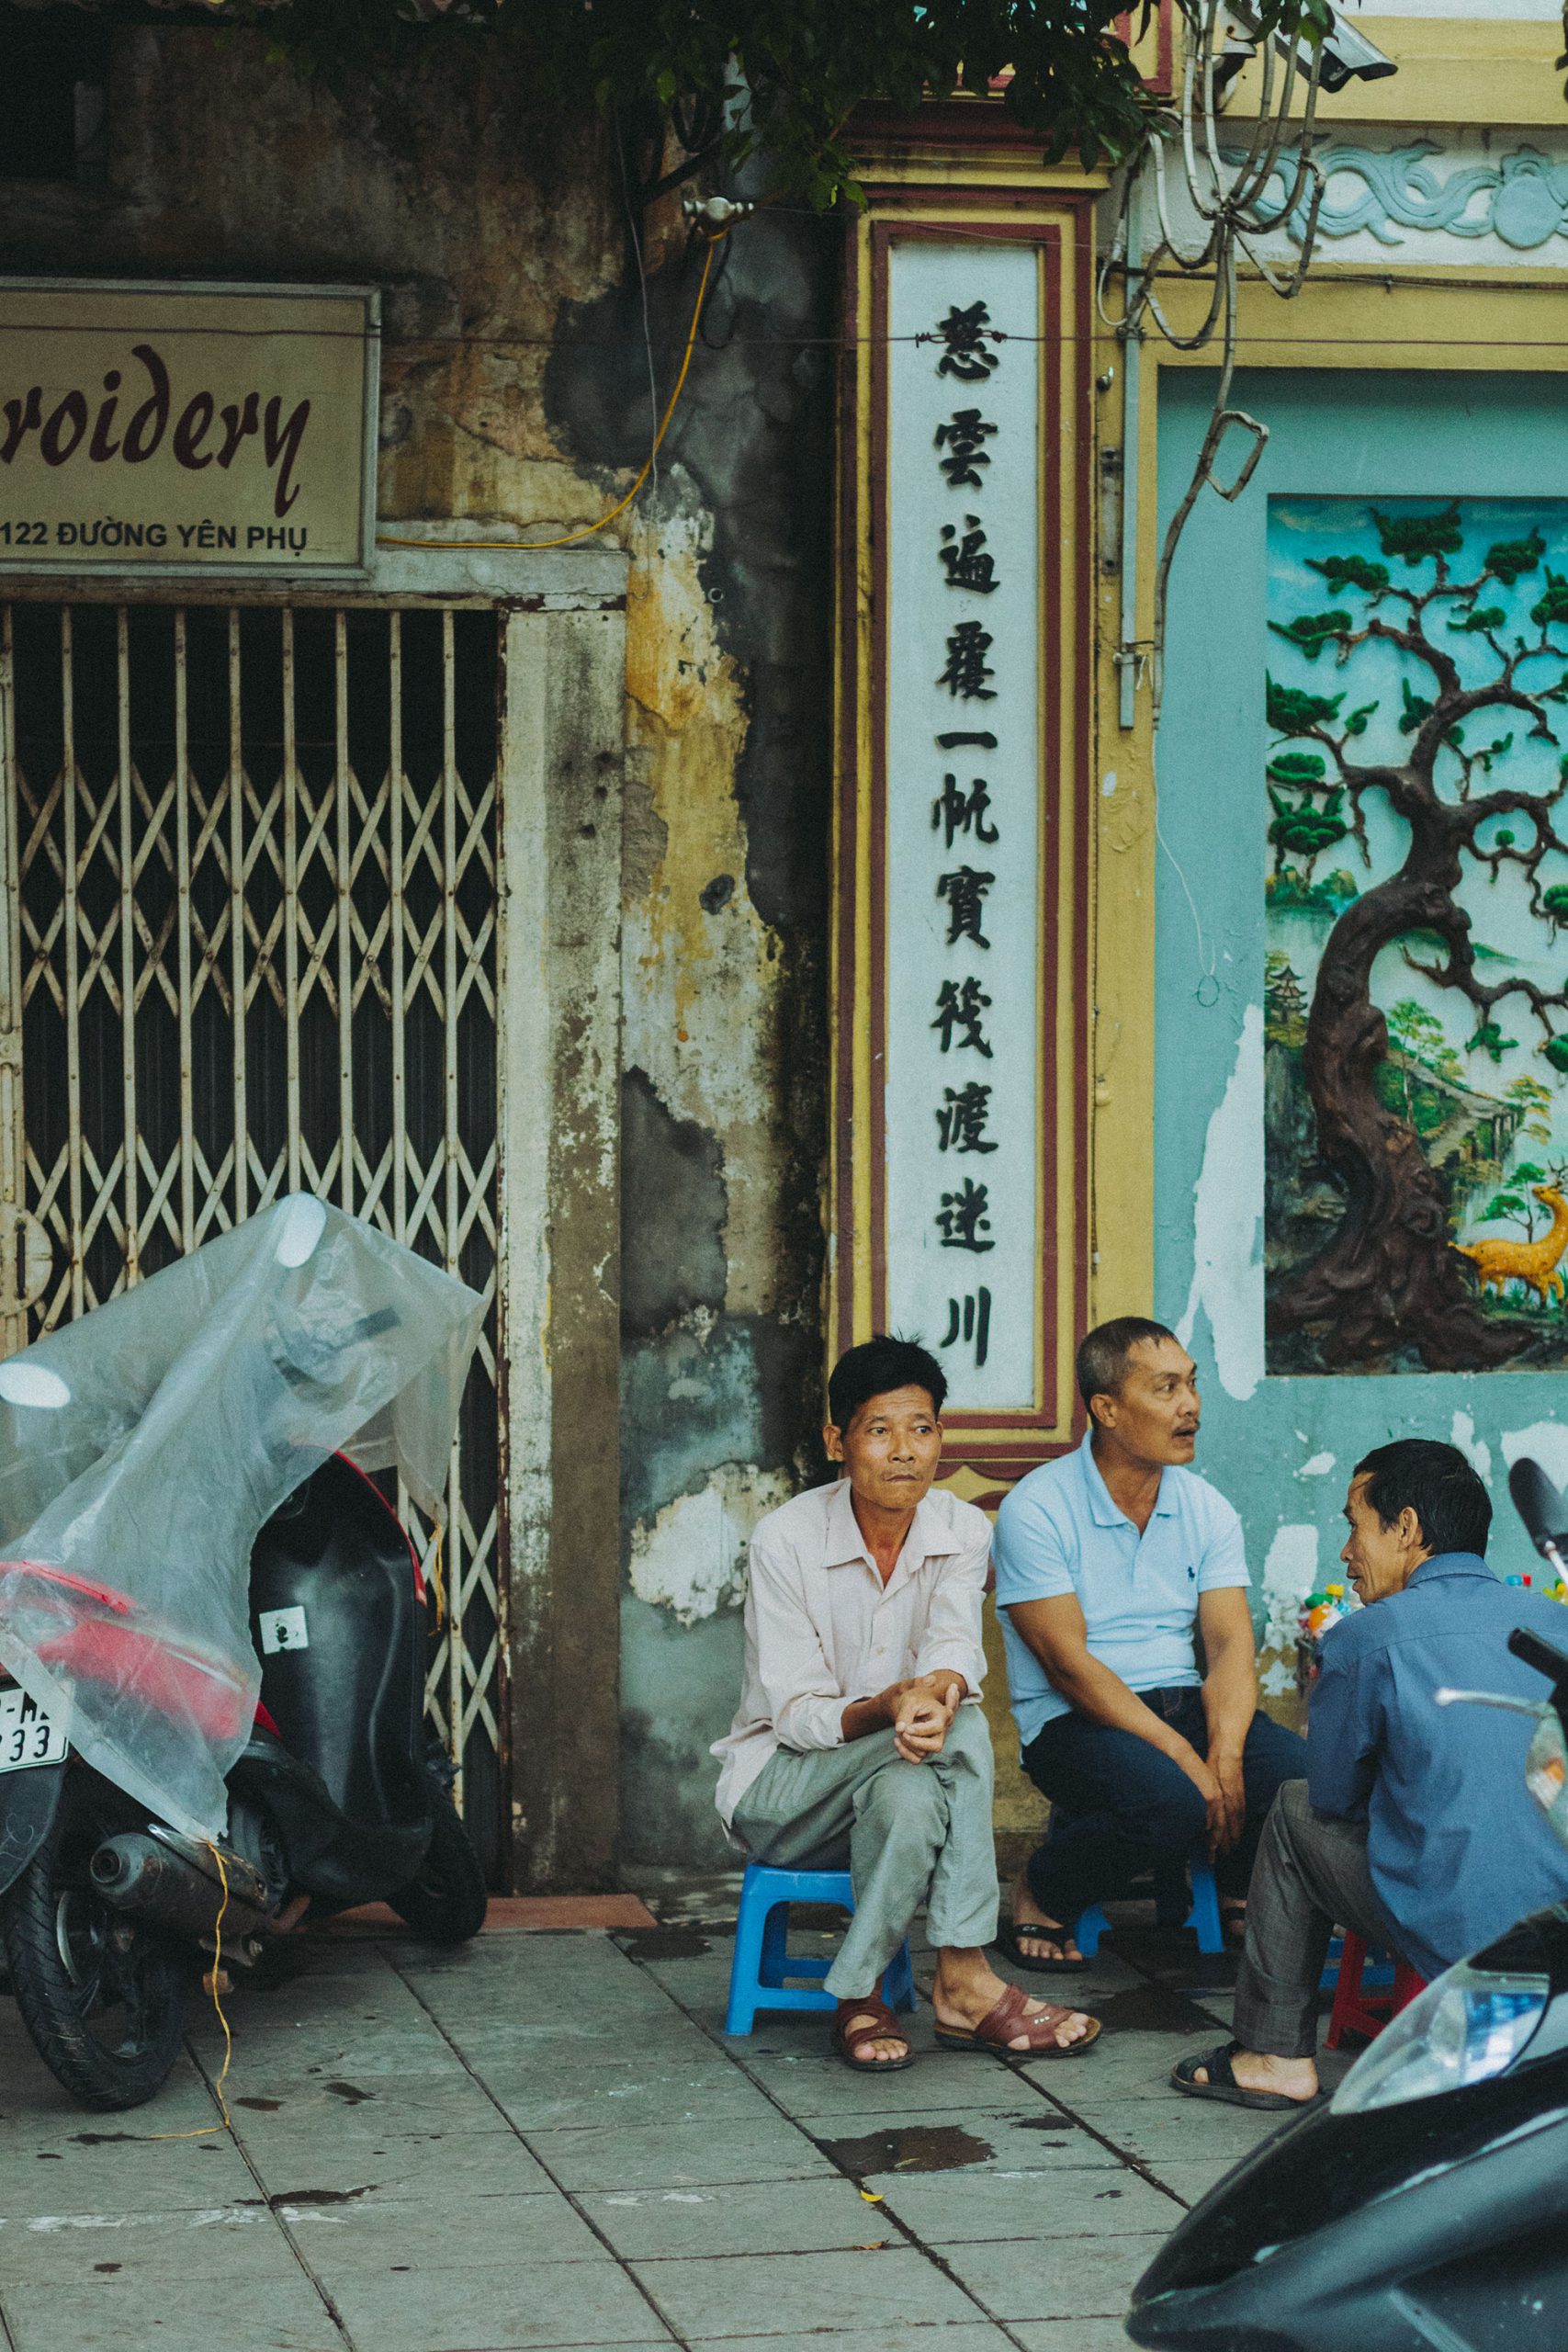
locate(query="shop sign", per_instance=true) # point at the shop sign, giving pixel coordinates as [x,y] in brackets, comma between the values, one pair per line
[153,428]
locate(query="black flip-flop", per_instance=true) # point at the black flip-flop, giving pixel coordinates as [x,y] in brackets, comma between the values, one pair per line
[1222,2084]
[1007,1943]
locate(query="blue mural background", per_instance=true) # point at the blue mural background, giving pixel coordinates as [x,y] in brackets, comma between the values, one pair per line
[1282,1446]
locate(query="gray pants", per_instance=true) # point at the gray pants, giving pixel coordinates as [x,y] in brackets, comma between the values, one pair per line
[909,1832]
[1311,1873]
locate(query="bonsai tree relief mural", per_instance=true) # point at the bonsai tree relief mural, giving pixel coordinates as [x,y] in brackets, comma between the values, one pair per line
[1417,983]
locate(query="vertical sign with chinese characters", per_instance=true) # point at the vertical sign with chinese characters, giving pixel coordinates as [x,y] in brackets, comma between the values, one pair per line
[961,1182]
[960,1108]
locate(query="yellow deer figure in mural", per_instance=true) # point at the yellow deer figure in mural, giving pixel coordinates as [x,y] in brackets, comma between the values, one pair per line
[1536,1262]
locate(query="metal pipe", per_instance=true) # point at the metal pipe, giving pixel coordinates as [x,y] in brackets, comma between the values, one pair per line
[140,1874]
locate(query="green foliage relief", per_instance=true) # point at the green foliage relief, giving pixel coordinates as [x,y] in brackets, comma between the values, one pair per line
[1421,1102]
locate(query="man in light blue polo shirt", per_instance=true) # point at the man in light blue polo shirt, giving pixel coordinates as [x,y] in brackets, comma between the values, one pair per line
[1113,1564]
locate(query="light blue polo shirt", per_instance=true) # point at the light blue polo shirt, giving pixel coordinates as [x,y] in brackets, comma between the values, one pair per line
[1059,1532]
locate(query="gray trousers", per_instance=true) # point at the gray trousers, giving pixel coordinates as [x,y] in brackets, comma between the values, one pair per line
[909,1832]
[1311,1873]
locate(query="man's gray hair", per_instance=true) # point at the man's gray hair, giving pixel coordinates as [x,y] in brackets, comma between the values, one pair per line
[1103,1352]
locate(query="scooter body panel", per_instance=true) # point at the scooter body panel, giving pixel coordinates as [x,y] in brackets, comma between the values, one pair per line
[1368,2229]
[338,1627]
[29,1803]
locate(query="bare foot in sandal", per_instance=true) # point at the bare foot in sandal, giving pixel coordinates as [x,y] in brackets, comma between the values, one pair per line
[1034,1940]
[967,1993]
[866,2035]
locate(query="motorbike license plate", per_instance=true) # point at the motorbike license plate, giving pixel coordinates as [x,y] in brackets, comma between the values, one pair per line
[28,1734]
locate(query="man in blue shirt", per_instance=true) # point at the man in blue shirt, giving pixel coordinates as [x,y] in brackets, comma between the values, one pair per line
[1414,1826]
[1111,1563]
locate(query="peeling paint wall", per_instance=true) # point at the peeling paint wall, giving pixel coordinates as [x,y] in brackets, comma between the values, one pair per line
[724,1138]
[515,379]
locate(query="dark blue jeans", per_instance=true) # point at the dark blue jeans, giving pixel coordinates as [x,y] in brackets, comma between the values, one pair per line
[1119,1808]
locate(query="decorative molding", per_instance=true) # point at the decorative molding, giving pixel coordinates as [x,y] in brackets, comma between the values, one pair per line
[1522,199]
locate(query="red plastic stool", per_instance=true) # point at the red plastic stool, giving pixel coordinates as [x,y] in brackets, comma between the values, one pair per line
[1367,2012]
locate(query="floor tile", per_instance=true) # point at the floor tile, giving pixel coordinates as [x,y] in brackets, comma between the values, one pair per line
[1074,2335]
[1054,2278]
[947,2209]
[492,2310]
[915,2335]
[63,2249]
[110,2313]
[304,2168]
[784,2293]
[811,2084]
[129,2178]
[441,2231]
[771,2217]
[1030,2137]
[686,2155]
[540,2098]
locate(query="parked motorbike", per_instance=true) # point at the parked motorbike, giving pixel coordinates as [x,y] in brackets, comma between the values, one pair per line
[1424,2208]
[109,1904]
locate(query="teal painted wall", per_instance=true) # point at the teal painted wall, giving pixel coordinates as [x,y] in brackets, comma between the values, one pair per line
[1283,1448]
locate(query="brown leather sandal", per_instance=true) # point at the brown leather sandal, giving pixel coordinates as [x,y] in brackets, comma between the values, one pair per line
[1000,2027]
[877,2023]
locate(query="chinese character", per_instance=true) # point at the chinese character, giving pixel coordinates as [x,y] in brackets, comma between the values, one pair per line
[962,1218]
[987,742]
[965,673]
[967,565]
[959,1004]
[972,1317]
[962,332]
[962,1126]
[962,812]
[961,436]
[966,894]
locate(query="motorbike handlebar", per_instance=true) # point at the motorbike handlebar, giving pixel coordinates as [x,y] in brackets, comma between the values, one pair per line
[1540,1506]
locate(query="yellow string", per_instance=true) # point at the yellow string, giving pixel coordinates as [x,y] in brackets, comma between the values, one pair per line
[437,1582]
[529,546]
[218,2004]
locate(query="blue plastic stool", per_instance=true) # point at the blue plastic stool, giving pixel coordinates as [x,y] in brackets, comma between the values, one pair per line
[1204,1914]
[762,1958]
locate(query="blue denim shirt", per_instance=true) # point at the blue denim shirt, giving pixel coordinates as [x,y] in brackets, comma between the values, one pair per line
[1458,1848]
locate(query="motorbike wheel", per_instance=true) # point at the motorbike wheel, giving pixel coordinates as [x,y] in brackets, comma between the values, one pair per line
[446,1904]
[103,2000]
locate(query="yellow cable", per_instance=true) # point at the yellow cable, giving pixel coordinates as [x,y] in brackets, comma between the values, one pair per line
[531,546]
[218,2004]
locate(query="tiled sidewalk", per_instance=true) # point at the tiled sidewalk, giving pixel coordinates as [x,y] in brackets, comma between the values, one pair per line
[545,2139]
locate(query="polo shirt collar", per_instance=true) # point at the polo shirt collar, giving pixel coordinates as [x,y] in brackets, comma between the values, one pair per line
[1102,1510]
[843,1543]
[1451,1564]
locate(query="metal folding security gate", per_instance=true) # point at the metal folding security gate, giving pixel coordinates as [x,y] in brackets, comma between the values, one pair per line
[250,862]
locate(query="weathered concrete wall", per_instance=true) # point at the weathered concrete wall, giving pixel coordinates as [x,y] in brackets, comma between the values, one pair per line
[515,391]
[724,1124]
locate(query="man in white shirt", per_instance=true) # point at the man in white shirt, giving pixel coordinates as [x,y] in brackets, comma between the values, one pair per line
[859,1734]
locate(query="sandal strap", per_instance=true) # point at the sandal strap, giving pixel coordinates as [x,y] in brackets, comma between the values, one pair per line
[1002,2024]
[878,2024]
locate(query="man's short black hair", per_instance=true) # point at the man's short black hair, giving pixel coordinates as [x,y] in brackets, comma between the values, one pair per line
[878,1365]
[1437,1483]
[1103,1352]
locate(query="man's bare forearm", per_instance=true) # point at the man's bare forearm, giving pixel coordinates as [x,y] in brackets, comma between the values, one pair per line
[1230,1698]
[1101,1696]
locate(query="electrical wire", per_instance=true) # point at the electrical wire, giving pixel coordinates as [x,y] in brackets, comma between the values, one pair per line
[212,1981]
[642,285]
[532,547]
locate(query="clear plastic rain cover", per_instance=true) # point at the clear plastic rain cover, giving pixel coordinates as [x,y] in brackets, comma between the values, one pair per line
[143,1446]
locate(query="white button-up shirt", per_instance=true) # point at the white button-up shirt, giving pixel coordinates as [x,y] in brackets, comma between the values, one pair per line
[822,1629]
